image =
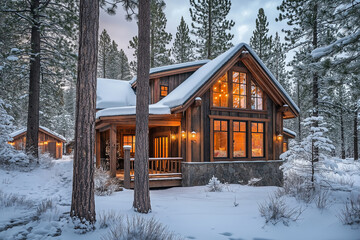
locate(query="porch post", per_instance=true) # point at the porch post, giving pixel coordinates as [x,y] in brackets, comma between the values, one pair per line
[127,166]
[188,134]
[97,148]
[113,150]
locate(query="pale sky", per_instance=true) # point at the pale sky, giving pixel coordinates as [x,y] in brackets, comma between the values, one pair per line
[243,13]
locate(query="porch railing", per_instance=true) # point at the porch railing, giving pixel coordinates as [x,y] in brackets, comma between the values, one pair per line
[158,167]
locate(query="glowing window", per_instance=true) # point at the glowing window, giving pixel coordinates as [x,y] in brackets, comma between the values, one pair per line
[239,139]
[257,139]
[161,147]
[239,90]
[220,92]
[285,147]
[256,97]
[130,141]
[220,139]
[164,91]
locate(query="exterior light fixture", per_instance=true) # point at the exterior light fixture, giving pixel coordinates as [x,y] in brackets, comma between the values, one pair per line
[46,143]
[193,135]
[279,137]
[173,136]
[183,134]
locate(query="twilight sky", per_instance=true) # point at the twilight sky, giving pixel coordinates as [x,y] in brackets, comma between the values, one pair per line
[243,13]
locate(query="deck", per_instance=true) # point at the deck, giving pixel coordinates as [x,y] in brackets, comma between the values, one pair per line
[163,172]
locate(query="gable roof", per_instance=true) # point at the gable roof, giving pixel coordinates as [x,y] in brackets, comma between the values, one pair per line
[186,91]
[180,95]
[173,67]
[114,93]
[41,128]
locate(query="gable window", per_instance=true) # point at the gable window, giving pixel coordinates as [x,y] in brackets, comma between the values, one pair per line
[164,91]
[220,92]
[220,138]
[239,90]
[130,141]
[239,139]
[256,97]
[257,139]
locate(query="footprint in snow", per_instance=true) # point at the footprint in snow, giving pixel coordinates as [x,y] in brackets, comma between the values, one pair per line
[190,237]
[228,234]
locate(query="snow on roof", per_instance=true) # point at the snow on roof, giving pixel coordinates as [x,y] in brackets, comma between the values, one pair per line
[192,84]
[289,131]
[174,67]
[21,131]
[131,110]
[114,93]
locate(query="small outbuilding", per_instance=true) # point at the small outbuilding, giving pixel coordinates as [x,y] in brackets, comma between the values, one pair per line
[49,141]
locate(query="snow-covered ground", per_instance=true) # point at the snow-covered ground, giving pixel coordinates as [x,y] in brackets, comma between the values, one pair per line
[191,212]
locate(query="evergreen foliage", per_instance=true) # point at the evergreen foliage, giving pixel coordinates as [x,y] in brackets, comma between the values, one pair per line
[260,41]
[210,27]
[183,48]
[104,49]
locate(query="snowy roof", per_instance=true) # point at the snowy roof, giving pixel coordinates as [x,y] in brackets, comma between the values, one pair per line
[174,67]
[192,84]
[289,132]
[131,110]
[114,93]
[23,130]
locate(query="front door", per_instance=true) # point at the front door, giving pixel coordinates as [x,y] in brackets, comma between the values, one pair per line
[52,149]
[161,147]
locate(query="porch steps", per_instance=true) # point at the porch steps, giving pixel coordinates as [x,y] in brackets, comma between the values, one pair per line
[162,180]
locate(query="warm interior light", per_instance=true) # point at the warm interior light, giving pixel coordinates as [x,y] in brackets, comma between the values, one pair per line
[279,137]
[193,134]
[226,95]
[58,144]
[183,134]
[173,136]
[46,143]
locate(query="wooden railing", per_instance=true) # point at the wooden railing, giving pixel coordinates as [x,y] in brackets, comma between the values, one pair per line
[158,167]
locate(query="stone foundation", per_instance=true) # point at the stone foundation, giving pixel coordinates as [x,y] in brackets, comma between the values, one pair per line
[199,173]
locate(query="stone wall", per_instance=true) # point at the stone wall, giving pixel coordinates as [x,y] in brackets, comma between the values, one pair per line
[195,173]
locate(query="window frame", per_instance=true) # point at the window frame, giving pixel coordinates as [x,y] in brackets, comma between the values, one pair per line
[132,150]
[227,139]
[167,91]
[264,142]
[246,138]
[230,107]
[230,146]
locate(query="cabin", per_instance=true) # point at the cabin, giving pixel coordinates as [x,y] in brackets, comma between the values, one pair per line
[49,141]
[221,117]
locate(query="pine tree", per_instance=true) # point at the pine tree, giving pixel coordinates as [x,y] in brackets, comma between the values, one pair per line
[83,202]
[113,59]
[183,48]
[260,41]
[124,66]
[104,49]
[210,26]
[159,38]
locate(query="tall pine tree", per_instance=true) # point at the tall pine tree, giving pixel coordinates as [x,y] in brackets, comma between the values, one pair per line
[183,48]
[260,41]
[104,49]
[210,27]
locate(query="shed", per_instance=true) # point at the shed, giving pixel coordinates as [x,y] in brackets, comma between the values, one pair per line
[49,141]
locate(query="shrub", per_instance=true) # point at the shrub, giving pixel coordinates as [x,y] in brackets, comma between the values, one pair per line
[104,185]
[107,219]
[215,185]
[298,187]
[350,215]
[9,200]
[275,210]
[137,227]
[322,199]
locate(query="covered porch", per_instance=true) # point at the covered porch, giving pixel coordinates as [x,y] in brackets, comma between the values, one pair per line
[115,148]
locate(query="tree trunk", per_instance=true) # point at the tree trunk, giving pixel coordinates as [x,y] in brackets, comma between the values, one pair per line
[356,146]
[299,105]
[342,134]
[141,190]
[83,204]
[34,83]
[210,32]
[315,86]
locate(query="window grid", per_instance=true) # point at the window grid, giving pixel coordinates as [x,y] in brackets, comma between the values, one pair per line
[239,89]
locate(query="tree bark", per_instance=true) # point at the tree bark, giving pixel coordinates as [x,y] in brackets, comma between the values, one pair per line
[315,87]
[210,32]
[83,204]
[356,144]
[141,189]
[34,83]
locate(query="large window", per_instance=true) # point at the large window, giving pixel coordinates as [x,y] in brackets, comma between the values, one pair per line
[164,91]
[161,147]
[257,139]
[239,89]
[256,97]
[220,138]
[130,141]
[235,90]
[220,92]
[239,139]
